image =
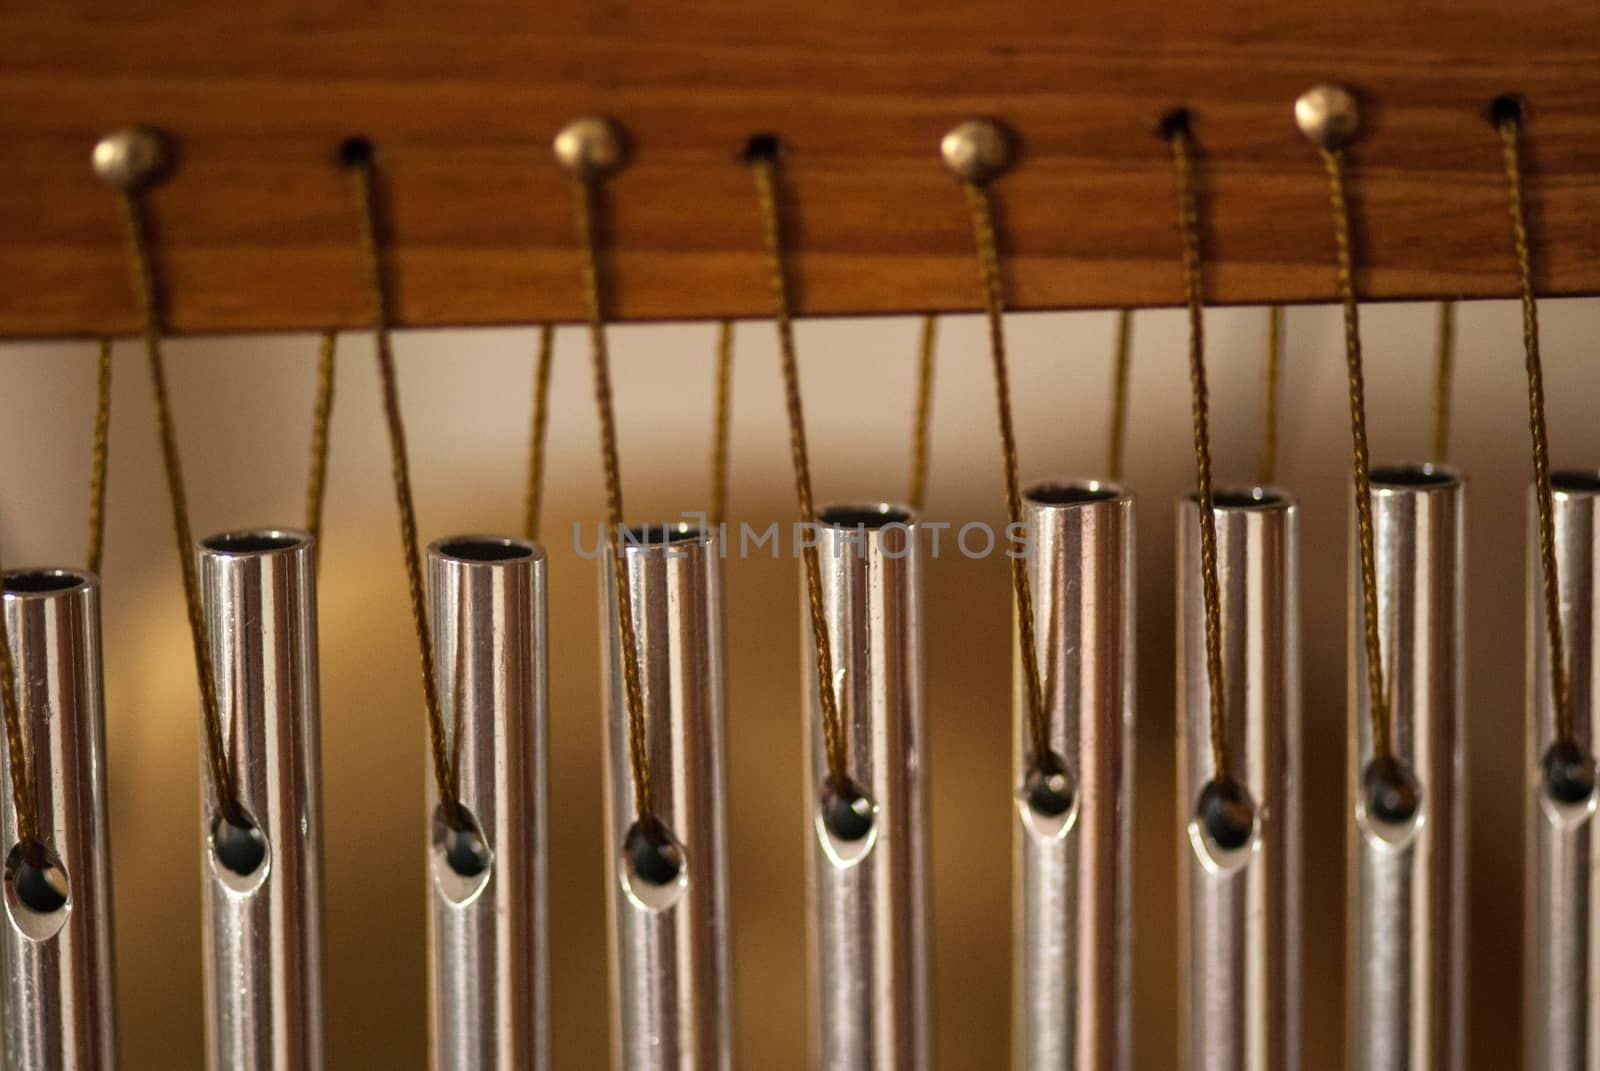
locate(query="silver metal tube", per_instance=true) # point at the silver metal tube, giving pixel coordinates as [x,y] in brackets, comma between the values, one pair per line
[867,845]
[670,944]
[58,1006]
[488,951]
[1239,881]
[1561,979]
[1407,834]
[263,885]
[1073,835]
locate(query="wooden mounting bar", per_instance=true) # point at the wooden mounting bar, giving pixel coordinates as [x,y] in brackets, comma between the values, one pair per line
[254,230]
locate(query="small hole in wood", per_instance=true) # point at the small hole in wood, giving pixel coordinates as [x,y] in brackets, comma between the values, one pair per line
[355,151]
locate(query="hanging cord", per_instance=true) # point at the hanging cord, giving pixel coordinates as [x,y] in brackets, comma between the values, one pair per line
[100,453]
[1122,362]
[1444,371]
[721,422]
[1329,117]
[762,156]
[321,417]
[356,156]
[1507,115]
[144,293]
[1176,129]
[533,501]
[926,346]
[977,152]
[586,176]
[1271,380]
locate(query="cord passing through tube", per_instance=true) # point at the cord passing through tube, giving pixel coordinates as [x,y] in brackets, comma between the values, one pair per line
[488,951]
[1239,841]
[1072,837]
[263,871]
[867,842]
[57,1001]
[667,878]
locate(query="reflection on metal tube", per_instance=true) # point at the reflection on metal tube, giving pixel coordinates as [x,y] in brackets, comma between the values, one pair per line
[263,885]
[1239,891]
[1407,836]
[1072,840]
[58,1003]
[867,855]
[671,986]
[1561,986]
[488,956]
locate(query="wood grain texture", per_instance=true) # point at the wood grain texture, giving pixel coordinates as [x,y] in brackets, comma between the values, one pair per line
[254,230]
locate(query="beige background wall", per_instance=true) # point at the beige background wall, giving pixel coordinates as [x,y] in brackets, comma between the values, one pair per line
[243,407]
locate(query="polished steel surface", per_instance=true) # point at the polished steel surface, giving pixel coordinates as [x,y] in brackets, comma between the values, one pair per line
[869,926]
[1073,926]
[670,945]
[1561,978]
[58,1006]
[263,926]
[488,951]
[1407,907]
[1239,910]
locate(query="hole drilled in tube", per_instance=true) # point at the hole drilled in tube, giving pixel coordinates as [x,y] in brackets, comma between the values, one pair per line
[253,542]
[38,891]
[1048,798]
[1072,494]
[1391,799]
[36,581]
[485,549]
[870,517]
[655,868]
[847,819]
[462,859]
[241,849]
[1569,772]
[1413,476]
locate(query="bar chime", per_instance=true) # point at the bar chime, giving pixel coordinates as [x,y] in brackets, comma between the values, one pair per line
[480,614]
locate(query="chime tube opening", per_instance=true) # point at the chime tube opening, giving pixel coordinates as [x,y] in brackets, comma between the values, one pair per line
[1420,476]
[262,541]
[1560,989]
[1406,812]
[1575,482]
[870,518]
[486,549]
[262,893]
[487,861]
[667,876]
[57,998]
[1239,836]
[868,896]
[1072,834]
[1073,493]
[43,581]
